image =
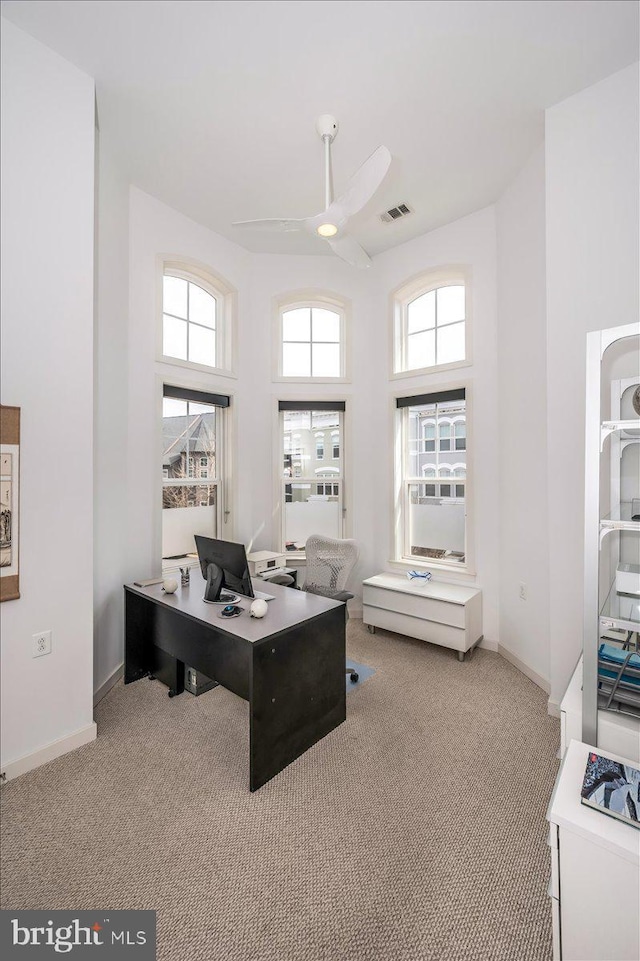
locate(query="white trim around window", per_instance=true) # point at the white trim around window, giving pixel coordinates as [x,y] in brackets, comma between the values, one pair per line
[226,437]
[407,293]
[310,298]
[333,476]
[401,557]
[226,314]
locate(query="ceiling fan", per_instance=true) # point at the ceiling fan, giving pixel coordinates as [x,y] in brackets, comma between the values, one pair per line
[332,222]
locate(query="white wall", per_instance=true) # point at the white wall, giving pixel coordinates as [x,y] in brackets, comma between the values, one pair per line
[522,369]
[470,241]
[47,370]
[111,414]
[592,282]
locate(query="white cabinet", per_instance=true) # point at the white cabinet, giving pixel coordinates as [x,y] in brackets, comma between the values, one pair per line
[595,872]
[445,614]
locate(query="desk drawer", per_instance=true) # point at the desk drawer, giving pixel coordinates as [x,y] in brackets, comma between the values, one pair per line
[427,608]
[453,637]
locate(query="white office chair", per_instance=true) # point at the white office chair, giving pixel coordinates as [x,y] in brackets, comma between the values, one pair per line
[329,564]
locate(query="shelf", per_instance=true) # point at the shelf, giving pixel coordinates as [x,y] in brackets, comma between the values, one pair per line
[620,519]
[620,611]
[612,426]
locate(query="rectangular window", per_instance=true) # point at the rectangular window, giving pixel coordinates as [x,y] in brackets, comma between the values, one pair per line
[191,437]
[433,521]
[312,498]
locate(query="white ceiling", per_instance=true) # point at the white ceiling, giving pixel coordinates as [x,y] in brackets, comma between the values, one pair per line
[211,106]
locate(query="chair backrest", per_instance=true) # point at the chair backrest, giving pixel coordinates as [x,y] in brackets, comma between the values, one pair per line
[329,563]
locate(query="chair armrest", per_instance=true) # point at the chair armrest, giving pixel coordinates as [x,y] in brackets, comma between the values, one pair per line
[331,595]
[341,596]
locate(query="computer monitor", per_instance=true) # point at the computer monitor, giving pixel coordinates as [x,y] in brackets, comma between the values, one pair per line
[224,567]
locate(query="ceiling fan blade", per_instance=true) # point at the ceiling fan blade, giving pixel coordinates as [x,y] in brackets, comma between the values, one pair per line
[364,183]
[271,224]
[350,250]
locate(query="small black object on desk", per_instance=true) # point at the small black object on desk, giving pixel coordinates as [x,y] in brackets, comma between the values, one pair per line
[231,610]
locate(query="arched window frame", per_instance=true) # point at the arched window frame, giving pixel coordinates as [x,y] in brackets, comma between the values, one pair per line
[226,310]
[445,433]
[323,299]
[424,283]
[429,425]
[459,433]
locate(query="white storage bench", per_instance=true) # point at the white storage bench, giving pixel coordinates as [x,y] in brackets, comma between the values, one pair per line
[445,614]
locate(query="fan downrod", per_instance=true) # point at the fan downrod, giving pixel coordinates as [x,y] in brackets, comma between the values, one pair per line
[327,126]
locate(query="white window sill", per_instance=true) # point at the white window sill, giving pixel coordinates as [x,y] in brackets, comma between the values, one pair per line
[435,565]
[421,371]
[281,379]
[173,565]
[201,368]
[298,557]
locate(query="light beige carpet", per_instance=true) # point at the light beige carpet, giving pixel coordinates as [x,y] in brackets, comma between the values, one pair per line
[414,831]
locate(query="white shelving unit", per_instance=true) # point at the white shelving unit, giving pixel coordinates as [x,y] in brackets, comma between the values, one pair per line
[612,535]
[595,860]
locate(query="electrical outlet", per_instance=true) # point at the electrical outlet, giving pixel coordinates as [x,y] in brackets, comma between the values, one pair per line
[523,592]
[41,643]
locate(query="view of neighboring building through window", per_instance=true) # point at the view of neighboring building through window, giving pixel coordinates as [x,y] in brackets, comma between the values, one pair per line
[189,321]
[433,437]
[191,470]
[312,492]
[430,317]
[311,342]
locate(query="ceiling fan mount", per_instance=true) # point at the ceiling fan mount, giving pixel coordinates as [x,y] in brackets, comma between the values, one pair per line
[327,126]
[331,222]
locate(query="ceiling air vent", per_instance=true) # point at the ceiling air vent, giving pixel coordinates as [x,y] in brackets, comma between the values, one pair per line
[395,213]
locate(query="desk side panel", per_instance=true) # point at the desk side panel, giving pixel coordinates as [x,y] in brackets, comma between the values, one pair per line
[222,657]
[139,628]
[298,692]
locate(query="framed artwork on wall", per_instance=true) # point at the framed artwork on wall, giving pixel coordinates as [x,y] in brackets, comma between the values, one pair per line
[9,502]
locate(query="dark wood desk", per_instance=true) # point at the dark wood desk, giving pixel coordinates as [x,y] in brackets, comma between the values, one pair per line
[289,665]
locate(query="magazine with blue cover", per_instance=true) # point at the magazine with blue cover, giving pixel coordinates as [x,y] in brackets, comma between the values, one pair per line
[612,787]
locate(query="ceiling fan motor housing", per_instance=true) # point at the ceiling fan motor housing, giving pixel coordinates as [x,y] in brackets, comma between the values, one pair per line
[327,126]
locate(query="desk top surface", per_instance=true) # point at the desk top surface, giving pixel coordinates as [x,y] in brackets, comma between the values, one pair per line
[288,608]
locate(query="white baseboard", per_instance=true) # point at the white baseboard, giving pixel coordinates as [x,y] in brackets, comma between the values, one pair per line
[104,688]
[488,645]
[553,708]
[508,655]
[50,752]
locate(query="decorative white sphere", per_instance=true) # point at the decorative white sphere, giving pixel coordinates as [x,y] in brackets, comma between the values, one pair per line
[259,608]
[169,585]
